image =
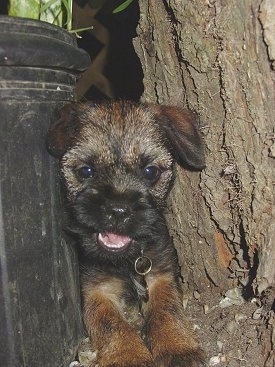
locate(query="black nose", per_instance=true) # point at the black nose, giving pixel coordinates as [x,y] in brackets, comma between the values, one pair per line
[120,211]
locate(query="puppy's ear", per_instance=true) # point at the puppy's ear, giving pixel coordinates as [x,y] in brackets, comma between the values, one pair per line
[181,127]
[62,131]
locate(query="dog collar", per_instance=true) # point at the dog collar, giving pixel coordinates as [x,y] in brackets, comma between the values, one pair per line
[143,266]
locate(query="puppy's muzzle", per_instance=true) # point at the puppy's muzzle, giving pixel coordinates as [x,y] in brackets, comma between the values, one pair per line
[118,215]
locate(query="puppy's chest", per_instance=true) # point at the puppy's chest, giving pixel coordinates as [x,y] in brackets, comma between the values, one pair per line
[123,294]
[134,300]
[123,288]
[134,317]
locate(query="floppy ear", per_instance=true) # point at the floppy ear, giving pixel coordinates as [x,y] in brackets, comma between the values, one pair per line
[62,131]
[181,127]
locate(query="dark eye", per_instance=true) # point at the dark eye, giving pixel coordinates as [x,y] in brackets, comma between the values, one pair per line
[85,172]
[152,173]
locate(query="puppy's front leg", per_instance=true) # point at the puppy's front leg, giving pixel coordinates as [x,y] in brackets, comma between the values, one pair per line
[117,342]
[169,338]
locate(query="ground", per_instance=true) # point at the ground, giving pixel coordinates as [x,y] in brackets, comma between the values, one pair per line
[236,335]
[232,331]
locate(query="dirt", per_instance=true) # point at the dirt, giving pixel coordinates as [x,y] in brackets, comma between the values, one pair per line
[233,332]
[239,335]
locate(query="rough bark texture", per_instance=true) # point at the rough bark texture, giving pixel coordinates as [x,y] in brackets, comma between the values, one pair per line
[216,57]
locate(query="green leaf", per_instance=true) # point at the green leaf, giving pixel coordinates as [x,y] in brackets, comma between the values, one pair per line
[51,12]
[47,5]
[68,4]
[122,6]
[24,8]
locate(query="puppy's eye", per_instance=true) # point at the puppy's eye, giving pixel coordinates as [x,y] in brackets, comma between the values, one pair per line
[152,173]
[85,172]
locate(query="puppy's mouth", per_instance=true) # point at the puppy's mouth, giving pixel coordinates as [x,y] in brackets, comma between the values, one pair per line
[113,242]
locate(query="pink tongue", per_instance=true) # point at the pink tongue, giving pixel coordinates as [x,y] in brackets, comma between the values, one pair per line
[113,241]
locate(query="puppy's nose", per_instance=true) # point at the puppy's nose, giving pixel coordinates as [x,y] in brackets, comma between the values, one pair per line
[120,211]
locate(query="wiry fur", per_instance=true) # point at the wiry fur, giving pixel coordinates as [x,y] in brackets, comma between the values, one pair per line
[119,140]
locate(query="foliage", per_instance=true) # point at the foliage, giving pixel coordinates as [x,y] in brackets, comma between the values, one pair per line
[122,6]
[58,12]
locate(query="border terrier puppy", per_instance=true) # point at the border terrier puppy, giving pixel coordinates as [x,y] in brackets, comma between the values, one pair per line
[117,161]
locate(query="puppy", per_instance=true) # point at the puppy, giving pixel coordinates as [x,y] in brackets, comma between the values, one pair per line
[117,161]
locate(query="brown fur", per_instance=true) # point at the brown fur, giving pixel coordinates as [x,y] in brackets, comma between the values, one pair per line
[111,333]
[130,150]
[169,335]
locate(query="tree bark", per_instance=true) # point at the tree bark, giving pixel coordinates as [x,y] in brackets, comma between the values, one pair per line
[216,57]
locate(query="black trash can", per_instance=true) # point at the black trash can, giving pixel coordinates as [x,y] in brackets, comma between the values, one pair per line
[40,318]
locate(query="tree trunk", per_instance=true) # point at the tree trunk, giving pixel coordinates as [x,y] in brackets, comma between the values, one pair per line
[216,57]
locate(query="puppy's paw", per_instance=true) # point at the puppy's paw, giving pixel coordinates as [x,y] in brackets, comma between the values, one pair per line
[188,358]
[126,353]
[174,346]
[125,361]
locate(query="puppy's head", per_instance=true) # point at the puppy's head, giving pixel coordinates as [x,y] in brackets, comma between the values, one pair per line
[117,161]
